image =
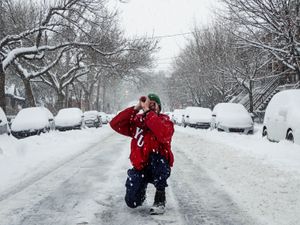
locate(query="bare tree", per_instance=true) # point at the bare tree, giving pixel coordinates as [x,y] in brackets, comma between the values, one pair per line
[197,68]
[271,25]
[28,38]
[82,25]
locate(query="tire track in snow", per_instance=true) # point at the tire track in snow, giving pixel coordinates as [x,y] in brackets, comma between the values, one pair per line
[40,175]
[55,193]
[200,199]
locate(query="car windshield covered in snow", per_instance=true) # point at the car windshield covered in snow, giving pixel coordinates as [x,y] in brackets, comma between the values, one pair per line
[232,117]
[68,118]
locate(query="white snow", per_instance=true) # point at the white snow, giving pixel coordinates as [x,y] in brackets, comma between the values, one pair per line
[90,115]
[262,177]
[198,114]
[13,53]
[30,119]
[282,114]
[232,115]
[68,117]
[177,115]
[21,159]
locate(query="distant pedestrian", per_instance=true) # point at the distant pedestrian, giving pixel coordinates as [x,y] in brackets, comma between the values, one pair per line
[151,155]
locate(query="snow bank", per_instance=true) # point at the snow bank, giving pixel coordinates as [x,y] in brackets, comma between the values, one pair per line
[284,155]
[22,159]
[262,177]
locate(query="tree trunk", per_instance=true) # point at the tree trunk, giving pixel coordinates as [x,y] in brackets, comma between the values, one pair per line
[98,95]
[251,96]
[91,106]
[86,105]
[29,99]
[2,88]
[103,98]
[67,97]
[60,100]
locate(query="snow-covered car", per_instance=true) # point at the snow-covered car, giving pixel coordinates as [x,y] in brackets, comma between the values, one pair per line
[197,117]
[110,117]
[177,116]
[231,117]
[3,123]
[31,121]
[68,119]
[92,119]
[282,118]
[104,117]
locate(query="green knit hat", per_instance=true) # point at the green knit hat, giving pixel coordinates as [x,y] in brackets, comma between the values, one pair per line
[154,97]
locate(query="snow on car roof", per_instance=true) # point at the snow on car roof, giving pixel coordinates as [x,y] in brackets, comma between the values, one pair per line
[68,117]
[49,114]
[69,110]
[91,112]
[229,108]
[284,100]
[291,94]
[30,118]
[195,109]
[69,113]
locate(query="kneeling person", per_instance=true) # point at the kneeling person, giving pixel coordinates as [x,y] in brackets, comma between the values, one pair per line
[151,154]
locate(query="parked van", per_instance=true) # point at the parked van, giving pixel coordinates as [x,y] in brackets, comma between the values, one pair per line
[282,117]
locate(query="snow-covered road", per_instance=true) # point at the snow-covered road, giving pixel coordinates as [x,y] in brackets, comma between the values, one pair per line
[212,182]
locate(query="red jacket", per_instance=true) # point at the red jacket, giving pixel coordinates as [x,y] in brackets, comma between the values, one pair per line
[150,133]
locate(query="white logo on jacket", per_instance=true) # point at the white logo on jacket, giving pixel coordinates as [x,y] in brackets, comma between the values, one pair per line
[140,138]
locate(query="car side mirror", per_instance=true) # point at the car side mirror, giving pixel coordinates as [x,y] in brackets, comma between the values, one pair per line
[50,120]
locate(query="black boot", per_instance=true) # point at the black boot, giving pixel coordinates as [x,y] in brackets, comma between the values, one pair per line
[159,203]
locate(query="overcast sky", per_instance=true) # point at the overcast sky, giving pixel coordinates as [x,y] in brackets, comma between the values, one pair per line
[165,17]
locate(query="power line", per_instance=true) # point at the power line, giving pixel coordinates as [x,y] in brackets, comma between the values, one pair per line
[165,36]
[170,58]
[173,35]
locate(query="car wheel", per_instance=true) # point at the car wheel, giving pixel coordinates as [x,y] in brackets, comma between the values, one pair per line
[290,136]
[265,132]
